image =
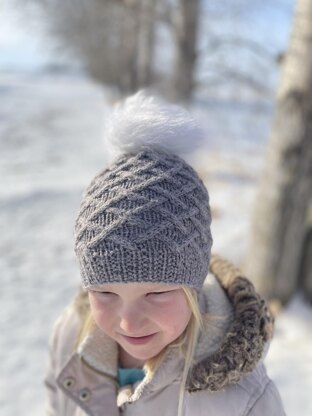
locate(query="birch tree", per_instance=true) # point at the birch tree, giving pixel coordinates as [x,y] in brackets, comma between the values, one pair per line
[280,257]
[186,20]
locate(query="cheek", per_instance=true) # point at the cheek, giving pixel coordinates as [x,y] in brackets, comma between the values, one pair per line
[174,317]
[103,315]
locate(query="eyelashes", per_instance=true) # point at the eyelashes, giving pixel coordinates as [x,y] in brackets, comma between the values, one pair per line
[112,294]
[122,293]
[103,294]
[159,293]
[108,293]
[147,294]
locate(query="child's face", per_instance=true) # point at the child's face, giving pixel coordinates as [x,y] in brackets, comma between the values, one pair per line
[142,318]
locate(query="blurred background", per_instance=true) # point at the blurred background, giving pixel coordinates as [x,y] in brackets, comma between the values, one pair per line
[243,68]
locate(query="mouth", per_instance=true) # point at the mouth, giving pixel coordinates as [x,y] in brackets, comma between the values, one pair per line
[139,340]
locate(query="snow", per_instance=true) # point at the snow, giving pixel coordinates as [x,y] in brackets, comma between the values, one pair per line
[51,146]
[47,158]
[290,357]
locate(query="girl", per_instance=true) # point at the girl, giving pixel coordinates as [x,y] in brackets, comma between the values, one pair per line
[152,332]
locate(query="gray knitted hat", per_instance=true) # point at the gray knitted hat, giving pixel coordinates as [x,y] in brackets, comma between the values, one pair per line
[146,218]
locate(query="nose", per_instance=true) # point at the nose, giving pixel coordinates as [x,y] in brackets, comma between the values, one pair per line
[132,321]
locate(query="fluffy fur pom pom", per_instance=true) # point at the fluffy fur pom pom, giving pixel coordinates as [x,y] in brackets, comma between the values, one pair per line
[141,121]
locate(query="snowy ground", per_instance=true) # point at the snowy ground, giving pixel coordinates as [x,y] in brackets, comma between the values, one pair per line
[50,147]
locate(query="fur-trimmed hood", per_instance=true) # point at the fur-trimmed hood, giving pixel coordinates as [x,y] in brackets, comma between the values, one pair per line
[247,336]
[237,328]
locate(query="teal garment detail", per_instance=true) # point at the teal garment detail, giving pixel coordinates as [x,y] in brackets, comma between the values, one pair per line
[129,375]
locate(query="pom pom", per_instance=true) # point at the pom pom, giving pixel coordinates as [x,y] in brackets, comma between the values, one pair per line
[144,122]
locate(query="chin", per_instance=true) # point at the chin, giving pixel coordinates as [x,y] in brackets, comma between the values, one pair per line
[143,355]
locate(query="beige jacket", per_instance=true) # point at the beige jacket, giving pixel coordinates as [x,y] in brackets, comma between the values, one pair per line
[228,379]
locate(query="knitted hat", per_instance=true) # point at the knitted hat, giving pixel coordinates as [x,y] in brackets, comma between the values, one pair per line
[146,218]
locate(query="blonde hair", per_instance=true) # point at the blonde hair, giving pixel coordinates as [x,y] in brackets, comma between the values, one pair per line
[185,343]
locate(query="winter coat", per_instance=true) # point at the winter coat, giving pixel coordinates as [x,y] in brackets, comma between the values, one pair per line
[227,379]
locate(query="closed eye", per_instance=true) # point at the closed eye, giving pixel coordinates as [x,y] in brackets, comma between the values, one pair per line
[159,293]
[105,293]
[108,293]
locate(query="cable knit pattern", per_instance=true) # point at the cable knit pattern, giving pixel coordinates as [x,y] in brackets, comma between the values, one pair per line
[145,219]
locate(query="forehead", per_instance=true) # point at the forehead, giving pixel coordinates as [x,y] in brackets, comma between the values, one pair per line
[138,287]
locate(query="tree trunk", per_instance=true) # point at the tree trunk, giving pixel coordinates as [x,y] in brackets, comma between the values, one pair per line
[186,31]
[281,236]
[129,48]
[306,269]
[147,42]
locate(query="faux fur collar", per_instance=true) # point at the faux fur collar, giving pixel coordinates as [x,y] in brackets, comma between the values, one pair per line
[237,326]
[244,343]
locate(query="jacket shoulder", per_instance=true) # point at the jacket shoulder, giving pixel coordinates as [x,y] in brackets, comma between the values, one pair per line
[254,395]
[61,346]
[64,334]
[267,403]
[264,398]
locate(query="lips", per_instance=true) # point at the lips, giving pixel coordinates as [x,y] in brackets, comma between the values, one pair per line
[139,340]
